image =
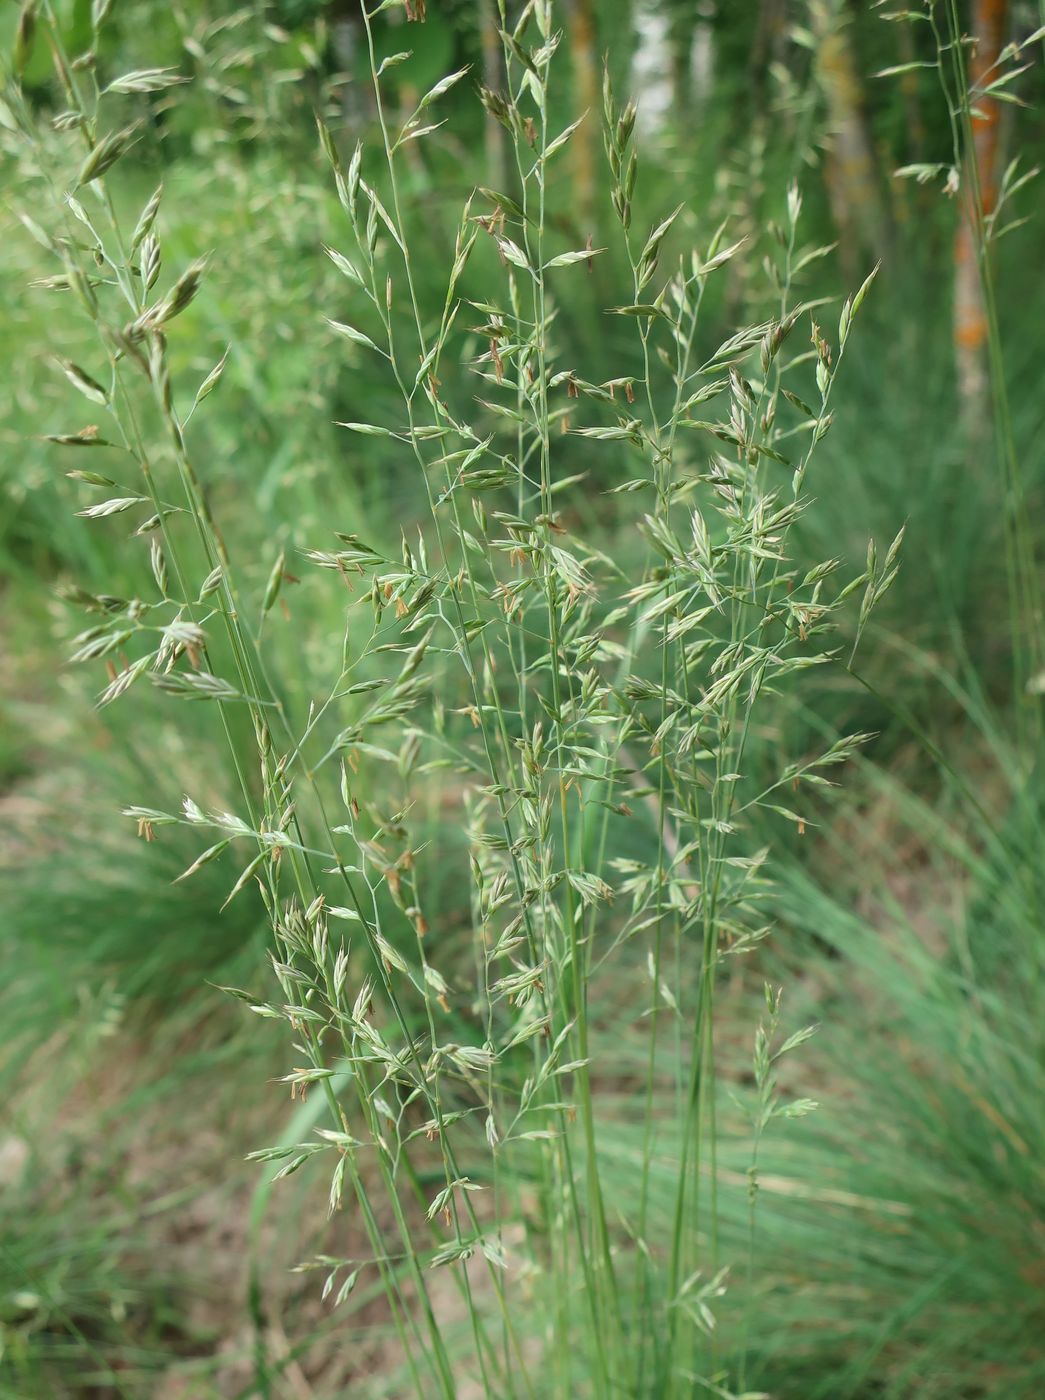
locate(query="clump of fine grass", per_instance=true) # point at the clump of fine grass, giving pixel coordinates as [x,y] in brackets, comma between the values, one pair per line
[939,1252]
[591,727]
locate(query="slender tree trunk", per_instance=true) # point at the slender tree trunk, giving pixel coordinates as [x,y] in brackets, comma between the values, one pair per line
[907,198]
[580,19]
[490,38]
[911,90]
[682,25]
[979,194]
[769,29]
[852,174]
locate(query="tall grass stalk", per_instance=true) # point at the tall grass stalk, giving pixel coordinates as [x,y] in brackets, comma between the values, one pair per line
[964,101]
[590,726]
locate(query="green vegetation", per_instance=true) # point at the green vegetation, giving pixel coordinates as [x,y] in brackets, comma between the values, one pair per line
[551,586]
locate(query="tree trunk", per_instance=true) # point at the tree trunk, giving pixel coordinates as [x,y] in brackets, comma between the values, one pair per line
[979,185]
[493,76]
[581,22]
[770,29]
[852,176]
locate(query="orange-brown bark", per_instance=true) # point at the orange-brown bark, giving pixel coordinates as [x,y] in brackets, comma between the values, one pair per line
[979,195]
[581,22]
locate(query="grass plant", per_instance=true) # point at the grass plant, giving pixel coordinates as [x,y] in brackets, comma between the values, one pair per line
[502,800]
